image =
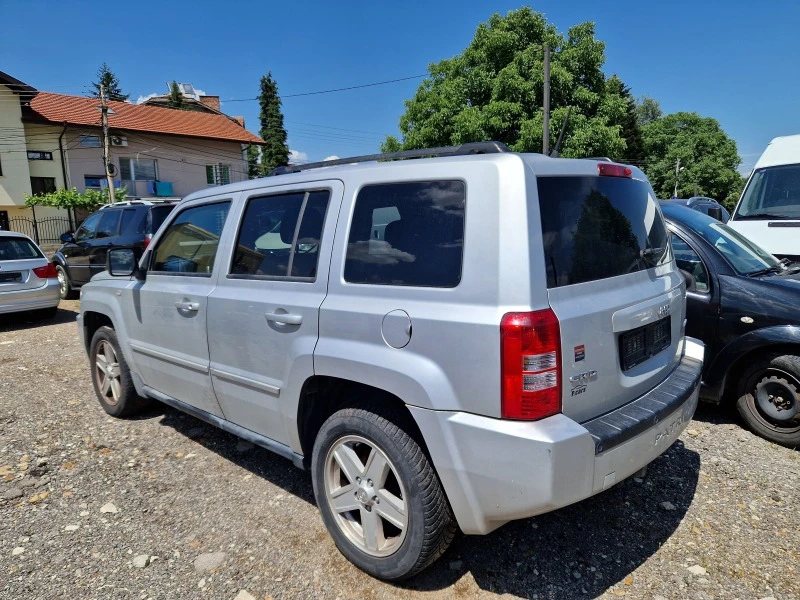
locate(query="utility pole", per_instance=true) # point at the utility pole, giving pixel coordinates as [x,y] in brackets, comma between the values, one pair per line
[677,174]
[106,157]
[546,125]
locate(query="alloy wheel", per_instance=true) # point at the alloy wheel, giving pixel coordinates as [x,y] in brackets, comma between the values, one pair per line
[107,372]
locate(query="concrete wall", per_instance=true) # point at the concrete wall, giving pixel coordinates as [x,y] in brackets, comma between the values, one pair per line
[180,160]
[15,181]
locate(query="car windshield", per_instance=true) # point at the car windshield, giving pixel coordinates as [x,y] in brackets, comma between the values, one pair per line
[742,254]
[17,248]
[772,193]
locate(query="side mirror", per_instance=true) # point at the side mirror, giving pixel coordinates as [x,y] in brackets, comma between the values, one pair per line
[121,262]
[67,238]
[691,284]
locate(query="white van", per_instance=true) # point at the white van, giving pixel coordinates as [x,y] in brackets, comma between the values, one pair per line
[769,210]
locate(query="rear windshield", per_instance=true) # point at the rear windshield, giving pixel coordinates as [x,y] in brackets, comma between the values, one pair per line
[772,193]
[14,248]
[157,216]
[599,227]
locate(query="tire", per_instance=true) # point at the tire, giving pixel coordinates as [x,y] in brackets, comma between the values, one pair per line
[47,313]
[111,376]
[410,538]
[65,290]
[768,398]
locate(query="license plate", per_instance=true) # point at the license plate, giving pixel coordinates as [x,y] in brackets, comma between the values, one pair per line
[643,343]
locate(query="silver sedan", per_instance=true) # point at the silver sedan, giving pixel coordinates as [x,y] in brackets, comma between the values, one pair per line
[28,281]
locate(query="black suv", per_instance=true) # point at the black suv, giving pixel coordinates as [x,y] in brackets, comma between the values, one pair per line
[131,223]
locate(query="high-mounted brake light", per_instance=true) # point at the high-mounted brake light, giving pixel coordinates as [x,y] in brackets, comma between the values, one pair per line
[612,170]
[530,365]
[47,272]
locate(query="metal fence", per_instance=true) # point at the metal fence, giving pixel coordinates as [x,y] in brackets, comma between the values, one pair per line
[43,231]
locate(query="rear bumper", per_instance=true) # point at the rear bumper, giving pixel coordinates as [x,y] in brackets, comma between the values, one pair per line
[495,471]
[45,296]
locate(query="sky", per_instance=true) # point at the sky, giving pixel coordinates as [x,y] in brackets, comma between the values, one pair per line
[732,60]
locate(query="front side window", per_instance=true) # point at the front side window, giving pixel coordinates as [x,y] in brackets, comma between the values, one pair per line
[88,228]
[144,169]
[409,234]
[280,235]
[772,193]
[688,260]
[109,224]
[189,245]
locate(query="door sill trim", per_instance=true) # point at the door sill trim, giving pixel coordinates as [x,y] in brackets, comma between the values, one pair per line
[232,428]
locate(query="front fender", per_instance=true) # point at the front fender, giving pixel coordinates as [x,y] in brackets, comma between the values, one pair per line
[715,376]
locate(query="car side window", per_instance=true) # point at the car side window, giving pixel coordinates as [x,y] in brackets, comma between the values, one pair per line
[87,230]
[127,218]
[688,260]
[409,233]
[280,235]
[189,245]
[109,224]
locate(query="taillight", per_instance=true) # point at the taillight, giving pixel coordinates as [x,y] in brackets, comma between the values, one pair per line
[612,170]
[47,272]
[530,365]
[147,240]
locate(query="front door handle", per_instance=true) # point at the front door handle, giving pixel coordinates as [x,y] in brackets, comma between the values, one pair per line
[186,305]
[285,318]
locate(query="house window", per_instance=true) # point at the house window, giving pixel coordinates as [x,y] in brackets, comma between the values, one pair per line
[37,155]
[218,174]
[131,169]
[89,141]
[93,181]
[42,185]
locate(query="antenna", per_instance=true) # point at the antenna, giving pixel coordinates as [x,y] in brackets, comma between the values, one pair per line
[557,147]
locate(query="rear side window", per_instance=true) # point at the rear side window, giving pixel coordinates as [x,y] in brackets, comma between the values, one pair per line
[599,227]
[280,235]
[407,234]
[17,248]
[190,243]
[127,218]
[109,224]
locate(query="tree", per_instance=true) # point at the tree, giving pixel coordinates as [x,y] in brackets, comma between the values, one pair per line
[708,157]
[89,200]
[253,166]
[647,110]
[106,78]
[176,99]
[276,151]
[630,130]
[735,192]
[493,90]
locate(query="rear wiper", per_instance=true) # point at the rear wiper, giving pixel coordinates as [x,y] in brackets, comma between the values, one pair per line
[650,252]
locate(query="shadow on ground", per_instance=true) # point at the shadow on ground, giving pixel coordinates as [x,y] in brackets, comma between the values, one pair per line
[578,551]
[31,319]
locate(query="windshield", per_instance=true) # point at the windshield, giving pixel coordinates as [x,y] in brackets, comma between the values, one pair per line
[599,227]
[14,248]
[772,193]
[742,254]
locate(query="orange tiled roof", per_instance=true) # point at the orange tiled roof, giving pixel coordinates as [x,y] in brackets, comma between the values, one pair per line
[77,110]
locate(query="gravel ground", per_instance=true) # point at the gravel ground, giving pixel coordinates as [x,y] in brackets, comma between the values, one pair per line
[164,506]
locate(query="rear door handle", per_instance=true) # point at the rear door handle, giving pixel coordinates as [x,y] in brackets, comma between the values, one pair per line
[285,318]
[186,305]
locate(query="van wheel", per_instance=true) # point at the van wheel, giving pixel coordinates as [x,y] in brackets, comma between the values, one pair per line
[111,377]
[769,399]
[379,495]
[65,290]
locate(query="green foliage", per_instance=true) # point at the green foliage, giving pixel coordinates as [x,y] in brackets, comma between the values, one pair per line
[105,77]
[253,166]
[735,192]
[89,200]
[493,90]
[176,99]
[707,155]
[647,110]
[276,152]
[630,130]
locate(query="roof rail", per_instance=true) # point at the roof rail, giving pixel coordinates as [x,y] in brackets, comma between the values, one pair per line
[462,150]
[136,203]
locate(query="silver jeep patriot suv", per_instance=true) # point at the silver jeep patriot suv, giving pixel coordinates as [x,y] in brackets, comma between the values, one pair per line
[455,341]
